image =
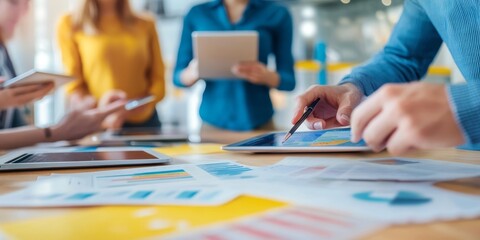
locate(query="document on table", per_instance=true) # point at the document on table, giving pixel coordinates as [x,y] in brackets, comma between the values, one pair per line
[34,197]
[134,222]
[163,175]
[389,202]
[289,223]
[386,169]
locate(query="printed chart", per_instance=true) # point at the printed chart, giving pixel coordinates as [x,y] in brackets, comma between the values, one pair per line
[149,177]
[191,196]
[291,223]
[394,198]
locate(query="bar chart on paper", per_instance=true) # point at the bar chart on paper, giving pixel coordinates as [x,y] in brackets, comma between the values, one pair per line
[147,177]
[394,198]
[225,170]
[176,196]
[291,223]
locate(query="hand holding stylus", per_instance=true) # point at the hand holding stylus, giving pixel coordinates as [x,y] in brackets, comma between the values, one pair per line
[301,120]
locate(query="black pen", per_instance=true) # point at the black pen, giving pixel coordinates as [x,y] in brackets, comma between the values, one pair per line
[301,120]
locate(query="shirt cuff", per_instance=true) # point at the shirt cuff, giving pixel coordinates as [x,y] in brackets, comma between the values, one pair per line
[287,82]
[465,103]
[355,82]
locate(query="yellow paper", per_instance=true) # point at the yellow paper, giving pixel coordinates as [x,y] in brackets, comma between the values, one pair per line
[117,222]
[187,149]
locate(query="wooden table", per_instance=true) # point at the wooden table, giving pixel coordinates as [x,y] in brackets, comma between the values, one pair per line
[465,229]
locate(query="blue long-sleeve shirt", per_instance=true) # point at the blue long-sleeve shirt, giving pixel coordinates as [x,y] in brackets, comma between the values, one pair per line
[240,105]
[415,41]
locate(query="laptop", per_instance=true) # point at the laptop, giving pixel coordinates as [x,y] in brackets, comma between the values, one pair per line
[78,158]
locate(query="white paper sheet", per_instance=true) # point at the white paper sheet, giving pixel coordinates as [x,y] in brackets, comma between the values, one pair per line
[163,175]
[37,197]
[390,202]
[389,169]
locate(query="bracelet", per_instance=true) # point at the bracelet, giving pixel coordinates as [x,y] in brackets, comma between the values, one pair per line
[47,132]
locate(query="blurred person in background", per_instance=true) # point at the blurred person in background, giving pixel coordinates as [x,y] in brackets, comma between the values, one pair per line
[114,54]
[240,105]
[11,11]
[13,133]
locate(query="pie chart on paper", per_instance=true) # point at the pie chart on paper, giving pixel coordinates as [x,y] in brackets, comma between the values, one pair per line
[394,198]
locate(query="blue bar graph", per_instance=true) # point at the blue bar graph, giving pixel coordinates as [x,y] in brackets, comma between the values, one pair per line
[187,194]
[141,195]
[224,170]
[80,196]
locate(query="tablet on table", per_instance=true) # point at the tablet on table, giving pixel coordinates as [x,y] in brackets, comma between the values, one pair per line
[333,140]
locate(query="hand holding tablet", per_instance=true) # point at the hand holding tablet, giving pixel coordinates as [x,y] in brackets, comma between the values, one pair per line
[23,94]
[34,77]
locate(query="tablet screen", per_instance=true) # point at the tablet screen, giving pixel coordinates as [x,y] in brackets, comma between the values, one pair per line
[82,156]
[326,138]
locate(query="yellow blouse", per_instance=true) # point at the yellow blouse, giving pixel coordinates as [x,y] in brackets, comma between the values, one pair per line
[119,57]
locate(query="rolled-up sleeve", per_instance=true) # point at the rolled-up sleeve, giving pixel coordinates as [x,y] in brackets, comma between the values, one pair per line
[465,103]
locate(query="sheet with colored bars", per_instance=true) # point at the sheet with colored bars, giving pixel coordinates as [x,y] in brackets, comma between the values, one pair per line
[289,223]
[389,169]
[184,196]
[164,175]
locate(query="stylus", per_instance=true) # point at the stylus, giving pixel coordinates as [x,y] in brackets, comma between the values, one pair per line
[301,120]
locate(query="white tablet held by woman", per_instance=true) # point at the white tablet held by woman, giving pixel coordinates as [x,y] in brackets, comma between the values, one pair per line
[218,51]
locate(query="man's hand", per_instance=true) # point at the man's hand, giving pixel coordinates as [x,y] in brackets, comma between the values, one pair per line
[405,117]
[335,106]
[256,73]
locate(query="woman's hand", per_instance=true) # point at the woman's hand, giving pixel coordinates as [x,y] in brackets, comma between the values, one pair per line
[21,95]
[81,100]
[116,119]
[190,75]
[78,124]
[256,73]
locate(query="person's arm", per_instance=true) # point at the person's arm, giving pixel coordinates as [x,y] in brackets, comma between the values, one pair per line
[75,125]
[282,49]
[406,57]
[184,75]
[156,73]
[22,136]
[77,90]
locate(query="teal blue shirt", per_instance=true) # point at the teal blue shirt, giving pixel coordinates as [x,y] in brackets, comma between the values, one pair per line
[416,39]
[240,105]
